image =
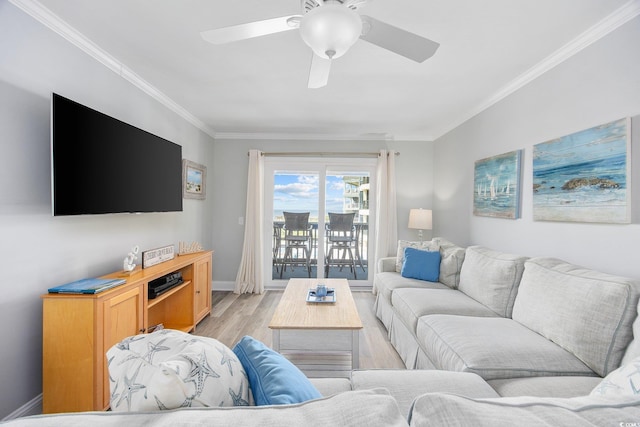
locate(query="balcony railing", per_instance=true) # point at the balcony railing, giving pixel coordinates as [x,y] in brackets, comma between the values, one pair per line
[361,242]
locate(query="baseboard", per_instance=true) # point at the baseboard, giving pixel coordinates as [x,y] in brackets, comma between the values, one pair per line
[32,407]
[223,286]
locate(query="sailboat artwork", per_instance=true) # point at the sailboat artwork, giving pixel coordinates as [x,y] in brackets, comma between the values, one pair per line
[497,186]
[584,176]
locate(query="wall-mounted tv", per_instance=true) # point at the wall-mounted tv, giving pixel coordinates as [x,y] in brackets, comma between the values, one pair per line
[101,165]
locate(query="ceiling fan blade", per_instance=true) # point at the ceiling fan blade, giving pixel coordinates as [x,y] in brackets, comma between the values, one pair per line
[319,72]
[397,40]
[251,29]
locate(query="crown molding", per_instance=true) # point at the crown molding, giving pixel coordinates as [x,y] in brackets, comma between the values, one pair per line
[302,136]
[610,23]
[37,11]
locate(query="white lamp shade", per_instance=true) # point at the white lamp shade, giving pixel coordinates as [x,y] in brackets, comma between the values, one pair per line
[420,219]
[332,28]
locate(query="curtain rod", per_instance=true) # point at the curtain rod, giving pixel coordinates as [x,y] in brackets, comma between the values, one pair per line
[321,154]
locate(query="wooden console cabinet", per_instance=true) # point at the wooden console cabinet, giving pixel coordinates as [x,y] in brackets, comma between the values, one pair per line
[79,329]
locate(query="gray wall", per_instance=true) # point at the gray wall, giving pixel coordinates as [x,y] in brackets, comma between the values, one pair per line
[598,85]
[414,171]
[38,251]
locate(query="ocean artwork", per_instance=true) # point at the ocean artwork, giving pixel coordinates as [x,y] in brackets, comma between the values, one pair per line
[497,186]
[585,176]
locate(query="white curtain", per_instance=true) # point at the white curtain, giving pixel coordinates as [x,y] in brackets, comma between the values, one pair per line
[250,274]
[386,215]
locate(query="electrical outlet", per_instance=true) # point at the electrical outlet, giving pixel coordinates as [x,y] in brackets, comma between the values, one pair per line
[240,220]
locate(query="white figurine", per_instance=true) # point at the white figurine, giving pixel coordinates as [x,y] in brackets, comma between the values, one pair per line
[129,264]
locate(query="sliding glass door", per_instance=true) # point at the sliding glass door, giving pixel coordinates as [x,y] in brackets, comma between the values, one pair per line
[318,218]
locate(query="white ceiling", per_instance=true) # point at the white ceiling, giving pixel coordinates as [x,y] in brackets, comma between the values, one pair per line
[258,87]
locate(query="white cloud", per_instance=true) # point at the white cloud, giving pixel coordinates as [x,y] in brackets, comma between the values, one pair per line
[304,191]
[336,185]
[306,187]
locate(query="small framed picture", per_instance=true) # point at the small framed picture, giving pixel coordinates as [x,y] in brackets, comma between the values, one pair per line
[194,178]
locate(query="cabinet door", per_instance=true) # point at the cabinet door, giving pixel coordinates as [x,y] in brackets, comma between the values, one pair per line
[68,371]
[202,286]
[123,317]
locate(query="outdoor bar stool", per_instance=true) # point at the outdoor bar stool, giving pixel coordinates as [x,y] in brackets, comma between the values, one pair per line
[297,237]
[341,240]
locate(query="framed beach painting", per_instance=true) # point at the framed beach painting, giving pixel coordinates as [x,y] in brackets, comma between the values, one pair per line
[584,176]
[194,178]
[497,186]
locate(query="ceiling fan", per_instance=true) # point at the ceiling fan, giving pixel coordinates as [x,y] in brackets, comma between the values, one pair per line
[330,28]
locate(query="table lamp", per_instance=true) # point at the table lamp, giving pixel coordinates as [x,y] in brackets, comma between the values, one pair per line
[420,219]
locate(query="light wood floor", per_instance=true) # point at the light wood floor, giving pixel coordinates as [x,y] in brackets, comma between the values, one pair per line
[234,316]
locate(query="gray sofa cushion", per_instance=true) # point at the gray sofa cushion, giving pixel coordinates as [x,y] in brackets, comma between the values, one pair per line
[586,312]
[331,386]
[492,278]
[406,385]
[545,386]
[411,304]
[451,260]
[493,347]
[387,282]
[441,409]
[365,408]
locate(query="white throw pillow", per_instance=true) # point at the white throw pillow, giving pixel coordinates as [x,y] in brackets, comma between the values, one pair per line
[451,263]
[171,369]
[624,381]
[428,245]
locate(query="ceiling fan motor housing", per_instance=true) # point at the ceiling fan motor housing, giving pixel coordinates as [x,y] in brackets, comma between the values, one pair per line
[331,29]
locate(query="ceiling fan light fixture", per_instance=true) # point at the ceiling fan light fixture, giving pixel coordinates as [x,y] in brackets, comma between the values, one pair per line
[331,29]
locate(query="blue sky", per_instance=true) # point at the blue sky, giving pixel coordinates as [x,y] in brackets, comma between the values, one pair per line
[194,176]
[299,193]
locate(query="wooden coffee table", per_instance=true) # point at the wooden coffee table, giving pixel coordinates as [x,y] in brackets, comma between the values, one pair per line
[322,339]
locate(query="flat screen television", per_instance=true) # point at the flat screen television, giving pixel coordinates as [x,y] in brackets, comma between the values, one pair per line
[101,165]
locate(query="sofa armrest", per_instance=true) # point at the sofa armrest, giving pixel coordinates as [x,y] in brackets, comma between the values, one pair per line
[386,264]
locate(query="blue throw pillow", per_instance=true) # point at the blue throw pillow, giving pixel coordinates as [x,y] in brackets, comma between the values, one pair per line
[272,378]
[419,264]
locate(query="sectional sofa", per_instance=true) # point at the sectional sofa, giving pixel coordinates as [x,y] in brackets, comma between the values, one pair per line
[385,398]
[499,339]
[528,326]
